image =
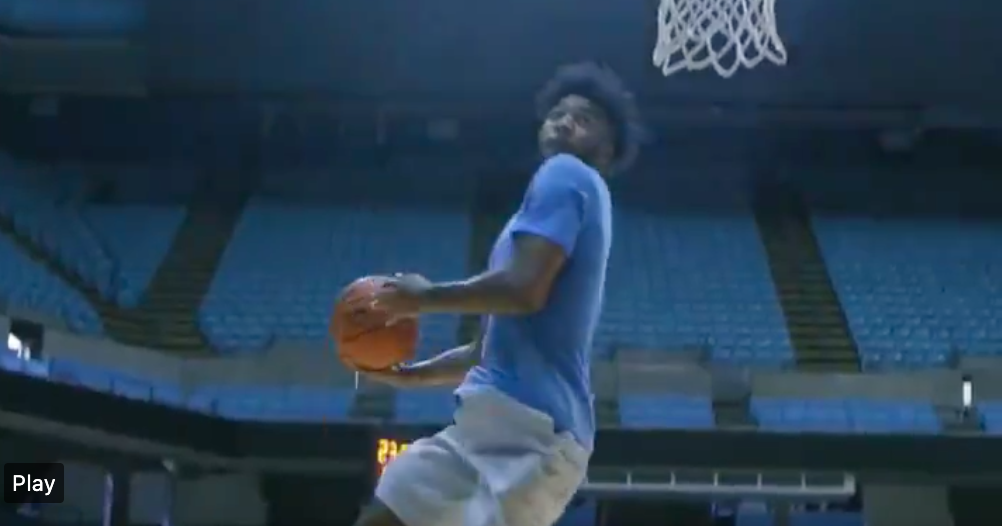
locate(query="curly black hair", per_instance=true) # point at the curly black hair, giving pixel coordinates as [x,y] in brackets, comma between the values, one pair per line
[605,89]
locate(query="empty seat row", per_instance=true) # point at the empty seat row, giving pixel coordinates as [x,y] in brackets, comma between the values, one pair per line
[991,416]
[846,416]
[915,292]
[138,238]
[435,406]
[25,284]
[679,282]
[113,248]
[30,199]
[663,411]
[286,265]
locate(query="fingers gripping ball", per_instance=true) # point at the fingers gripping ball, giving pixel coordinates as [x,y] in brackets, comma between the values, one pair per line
[368,348]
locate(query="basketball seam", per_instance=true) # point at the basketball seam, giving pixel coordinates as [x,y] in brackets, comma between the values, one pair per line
[358,335]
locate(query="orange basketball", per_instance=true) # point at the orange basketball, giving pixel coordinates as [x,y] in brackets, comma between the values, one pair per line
[371,349]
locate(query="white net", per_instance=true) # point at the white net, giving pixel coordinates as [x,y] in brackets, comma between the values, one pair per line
[722,34]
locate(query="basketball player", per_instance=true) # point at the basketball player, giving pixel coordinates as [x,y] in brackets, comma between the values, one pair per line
[524,427]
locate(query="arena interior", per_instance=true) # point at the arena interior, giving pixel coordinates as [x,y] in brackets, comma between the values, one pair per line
[803,315]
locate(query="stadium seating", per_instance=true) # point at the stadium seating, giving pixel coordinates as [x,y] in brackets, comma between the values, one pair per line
[244,402]
[694,281]
[434,406]
[912,292]
[425,406]
[277,404]
[915,291]
[137,237]
[29,196]
[991,416]
[11,363]
[166,184]
[286,265]
[28,285]
[116,249]
[655,411]
[846,416]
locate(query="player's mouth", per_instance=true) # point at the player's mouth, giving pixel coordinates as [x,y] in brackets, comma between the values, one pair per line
[553,145]
[557,139]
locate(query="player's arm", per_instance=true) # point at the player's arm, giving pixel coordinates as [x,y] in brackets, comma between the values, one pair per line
[448,368]
[545,232]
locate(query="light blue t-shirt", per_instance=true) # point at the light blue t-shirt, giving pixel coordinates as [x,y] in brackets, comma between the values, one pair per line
[543,359]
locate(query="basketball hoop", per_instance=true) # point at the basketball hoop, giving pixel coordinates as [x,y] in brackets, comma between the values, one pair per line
[722,34]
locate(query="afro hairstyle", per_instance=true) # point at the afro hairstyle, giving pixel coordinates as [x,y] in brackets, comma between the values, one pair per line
[603,88]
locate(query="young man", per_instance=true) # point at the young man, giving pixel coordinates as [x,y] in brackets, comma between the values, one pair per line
[524,427]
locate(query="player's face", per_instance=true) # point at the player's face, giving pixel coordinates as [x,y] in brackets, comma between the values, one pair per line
[578,127]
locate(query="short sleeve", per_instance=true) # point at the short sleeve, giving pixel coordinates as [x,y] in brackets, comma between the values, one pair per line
[554,206]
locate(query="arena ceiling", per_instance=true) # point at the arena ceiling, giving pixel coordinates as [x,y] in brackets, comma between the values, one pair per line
[936,61]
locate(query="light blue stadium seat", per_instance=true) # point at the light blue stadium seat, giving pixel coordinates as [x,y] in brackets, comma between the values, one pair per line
[138,237]
[880,416]
[317,405]
[83,375]
[791,415]
[845,416]
[164,393]
[286,265]
[991,416]
[250,403]
[663,411]
[915,291]
[132,388]
[107,380]
[36,368]
[39,200]
[116,249]
[273,403]
[424,406]
[259,403]
[166,185]
[26,284]
[11,363]
[201,401]
[687,281]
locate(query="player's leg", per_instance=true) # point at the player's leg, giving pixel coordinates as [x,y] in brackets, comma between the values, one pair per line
[427,485]
[540,500]
[528,472]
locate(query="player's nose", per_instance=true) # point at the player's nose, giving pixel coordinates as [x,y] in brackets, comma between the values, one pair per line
[562,127]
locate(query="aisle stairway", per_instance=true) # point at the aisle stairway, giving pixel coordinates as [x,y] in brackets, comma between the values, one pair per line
[169,309]
[816,322]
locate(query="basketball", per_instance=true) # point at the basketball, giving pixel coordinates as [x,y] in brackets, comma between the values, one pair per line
[365,349]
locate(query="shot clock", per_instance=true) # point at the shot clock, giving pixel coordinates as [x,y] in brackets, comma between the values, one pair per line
[387,449]
[390,442]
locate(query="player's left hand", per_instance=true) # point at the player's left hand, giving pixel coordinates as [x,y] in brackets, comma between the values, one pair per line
[398,376]
[401,296]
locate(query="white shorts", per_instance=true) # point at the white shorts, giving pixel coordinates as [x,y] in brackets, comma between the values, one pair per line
[500,464]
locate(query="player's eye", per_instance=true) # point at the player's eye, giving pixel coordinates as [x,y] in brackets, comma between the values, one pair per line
[583,119]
